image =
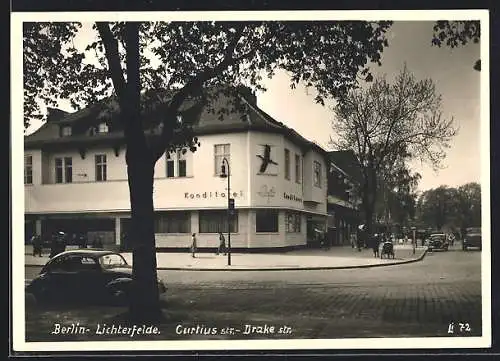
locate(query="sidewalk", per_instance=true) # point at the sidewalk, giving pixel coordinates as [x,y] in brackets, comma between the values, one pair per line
[335,258]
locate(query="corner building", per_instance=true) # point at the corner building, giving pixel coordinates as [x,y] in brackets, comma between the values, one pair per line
[76,181]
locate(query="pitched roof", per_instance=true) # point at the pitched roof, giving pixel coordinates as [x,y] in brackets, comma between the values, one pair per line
[348,162]
[204,122]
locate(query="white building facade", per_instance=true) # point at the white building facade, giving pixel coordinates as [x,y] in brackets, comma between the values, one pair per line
[77,183]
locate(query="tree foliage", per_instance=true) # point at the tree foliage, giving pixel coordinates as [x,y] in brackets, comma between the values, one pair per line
[186,56]
[457,33]
[387,125]
[454,208]
[397,194]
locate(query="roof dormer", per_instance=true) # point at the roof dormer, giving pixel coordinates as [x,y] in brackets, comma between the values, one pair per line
[101,128]
[65,131]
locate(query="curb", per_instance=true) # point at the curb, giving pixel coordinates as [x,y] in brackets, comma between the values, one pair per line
[320,268]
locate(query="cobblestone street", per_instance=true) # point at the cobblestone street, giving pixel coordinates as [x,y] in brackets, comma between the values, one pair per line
[418,299]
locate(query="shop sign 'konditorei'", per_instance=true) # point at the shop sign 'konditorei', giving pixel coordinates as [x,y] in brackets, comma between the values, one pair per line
[211,195]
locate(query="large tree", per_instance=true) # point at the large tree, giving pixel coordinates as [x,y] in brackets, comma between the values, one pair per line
[161,66]
[438,207]
[386,123]
[397,190]
[456,208]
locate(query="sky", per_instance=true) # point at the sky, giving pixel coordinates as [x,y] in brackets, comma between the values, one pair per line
[410,44]
[455,79]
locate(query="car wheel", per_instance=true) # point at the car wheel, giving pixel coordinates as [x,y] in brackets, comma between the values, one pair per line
[119,296]
[30,300]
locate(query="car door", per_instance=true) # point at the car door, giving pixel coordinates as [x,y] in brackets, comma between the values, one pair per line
[59,279]
[90,278]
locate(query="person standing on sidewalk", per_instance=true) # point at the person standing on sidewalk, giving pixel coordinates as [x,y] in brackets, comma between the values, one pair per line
[353,240]
[193,245]
[37,245]
[222,245]
[53,245]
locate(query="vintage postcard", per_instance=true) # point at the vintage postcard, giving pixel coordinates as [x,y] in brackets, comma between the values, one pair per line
[250,180]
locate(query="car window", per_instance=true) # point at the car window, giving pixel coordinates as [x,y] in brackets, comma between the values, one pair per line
[112,260]
[57,265]
[88,263]
[73,263]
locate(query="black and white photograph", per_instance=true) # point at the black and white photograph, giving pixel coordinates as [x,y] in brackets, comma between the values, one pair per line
[250,180]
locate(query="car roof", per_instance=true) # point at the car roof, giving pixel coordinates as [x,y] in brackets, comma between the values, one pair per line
[438,234]
[86,252]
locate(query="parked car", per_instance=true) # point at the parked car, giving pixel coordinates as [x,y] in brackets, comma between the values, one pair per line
[85,275]
[437,241]
[472,238]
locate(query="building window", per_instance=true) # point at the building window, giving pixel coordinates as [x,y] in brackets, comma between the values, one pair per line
[221,151]
[298,174]
[173,222]
[293,222]
[100,168]
[103,128]
[266,221]
[170,166]
[181,163]
[64,170]
[65,131]
[180,158]
[216,221]
[28,169]
[287,164]
[317,174]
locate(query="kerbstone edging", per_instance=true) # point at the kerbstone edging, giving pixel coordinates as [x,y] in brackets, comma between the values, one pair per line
[305,268]
[286,268]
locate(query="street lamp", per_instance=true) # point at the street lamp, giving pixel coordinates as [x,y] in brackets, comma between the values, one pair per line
[230,205]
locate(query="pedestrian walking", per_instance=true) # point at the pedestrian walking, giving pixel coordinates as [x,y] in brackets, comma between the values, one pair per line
[222,245]
[374,244]
[36,241]
[353,240]
[324,241]
[82,241]
[193,245]
[61,242]
[53,246]
[74,240]
[98,242]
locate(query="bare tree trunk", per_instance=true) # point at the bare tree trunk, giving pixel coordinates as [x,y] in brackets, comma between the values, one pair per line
[145,304]
[145,298]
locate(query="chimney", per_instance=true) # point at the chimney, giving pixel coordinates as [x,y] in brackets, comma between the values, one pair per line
[54,115]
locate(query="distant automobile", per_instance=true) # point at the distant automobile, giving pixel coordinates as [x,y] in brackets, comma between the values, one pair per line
[472,238]
[437,241]
[85,275]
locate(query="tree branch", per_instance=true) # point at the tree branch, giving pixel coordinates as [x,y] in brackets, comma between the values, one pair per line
[113,57]
[194,83]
